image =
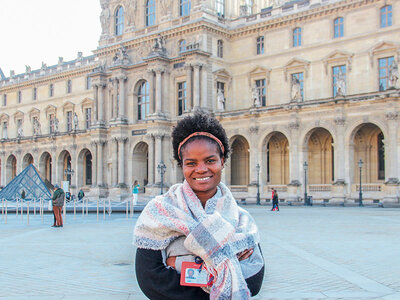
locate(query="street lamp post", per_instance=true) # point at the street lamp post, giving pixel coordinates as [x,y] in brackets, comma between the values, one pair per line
[69,171]
[360,163]
[305,183]
[161,169]
[258,184]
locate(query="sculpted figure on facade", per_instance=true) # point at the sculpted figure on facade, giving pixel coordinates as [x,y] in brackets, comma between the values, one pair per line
[130,8]
[340,84]
[255,96]
[393,75]
[56,125]
[36,127]
[44,66]
[296,89]
[220,100]
[5,131]
[159,44]
[76,122]
[121,56]
[165,7]
[28,69]
[105,17]
[20,131]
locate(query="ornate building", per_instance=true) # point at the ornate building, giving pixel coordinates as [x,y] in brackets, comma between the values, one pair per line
[305,90]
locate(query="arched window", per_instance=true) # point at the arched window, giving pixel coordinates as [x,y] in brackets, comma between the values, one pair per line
[88,168]
[338,27]
[386,16]
[184,8]
[119,20]
[150,12]
[297,37]
[143,100]
[182,46]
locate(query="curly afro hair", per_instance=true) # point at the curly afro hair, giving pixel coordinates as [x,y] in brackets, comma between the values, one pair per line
[199,121]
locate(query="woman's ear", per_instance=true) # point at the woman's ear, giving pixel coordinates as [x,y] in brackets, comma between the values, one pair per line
[222,162]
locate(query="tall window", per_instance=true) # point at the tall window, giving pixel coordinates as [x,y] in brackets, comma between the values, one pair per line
[182,46]
[338,79]
[220,48]
[184,8]
[51,123]
[5,100]
[88,168]
[69,86]
[386,16]
[88,117]
[69,121]
[5,133]
[220,8]
[262,91]
[51,90]
[260,45]
[300,78]
[249,6]
[19,96]
[150,12]
[88,83]
[182,103]
[34,92]
[338,27]
[381,157]
[384,65]
[119,20]
[143,100]
[297,37]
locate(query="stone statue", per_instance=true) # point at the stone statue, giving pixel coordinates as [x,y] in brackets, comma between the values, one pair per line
[60,60]
[36,127]
[75,122]
[255,96]
[340,84]
[159,44]
[105,17]
[56,125]
[20,131]
[121,56]
[44,66]
[80,56]
[5,131]
[220,100]
[27,69]
[130,9]
[393,75]
[166,7]
[296,89]
[12,73]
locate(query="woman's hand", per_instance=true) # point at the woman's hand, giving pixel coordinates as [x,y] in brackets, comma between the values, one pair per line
[245,254]
[171,261]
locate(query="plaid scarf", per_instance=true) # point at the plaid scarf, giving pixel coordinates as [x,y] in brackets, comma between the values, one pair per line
[216,233]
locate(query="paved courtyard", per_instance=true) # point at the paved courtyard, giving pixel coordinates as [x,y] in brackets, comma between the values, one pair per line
[311,253]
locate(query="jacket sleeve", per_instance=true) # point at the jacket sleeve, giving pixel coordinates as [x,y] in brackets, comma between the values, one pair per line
[254,282]
[159,282]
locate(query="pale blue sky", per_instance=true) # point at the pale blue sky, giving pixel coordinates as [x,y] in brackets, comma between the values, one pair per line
[32,31]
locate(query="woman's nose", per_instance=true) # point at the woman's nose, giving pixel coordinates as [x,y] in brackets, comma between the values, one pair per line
[201,167]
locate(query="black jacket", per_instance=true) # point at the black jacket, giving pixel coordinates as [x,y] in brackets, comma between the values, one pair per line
[159,282]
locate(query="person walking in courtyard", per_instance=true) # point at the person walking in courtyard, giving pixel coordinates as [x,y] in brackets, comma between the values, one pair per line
[135,192]
[58,203]
[198,224]
[275,200]
[81,194]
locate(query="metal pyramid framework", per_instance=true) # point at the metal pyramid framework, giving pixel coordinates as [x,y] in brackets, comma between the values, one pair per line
[30,181]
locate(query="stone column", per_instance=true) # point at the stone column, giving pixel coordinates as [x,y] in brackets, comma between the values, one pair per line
[114,161]
[339,148]
[100,163]
[95,156]
[151,91]
[96,102]
[151,160]
[19,161]
[3,168]
[294,162]
[188,69]
[101,103]
[158,156]
[115,104]
[196,86]
[158,90]
[253,161]
[54,167]
[74,166]
[391,141]
[204,86]
[121,161]
[122,100]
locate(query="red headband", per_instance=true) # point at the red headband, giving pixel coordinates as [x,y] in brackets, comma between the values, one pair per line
[200,133]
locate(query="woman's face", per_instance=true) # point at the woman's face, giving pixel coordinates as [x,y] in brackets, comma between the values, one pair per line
[202,167]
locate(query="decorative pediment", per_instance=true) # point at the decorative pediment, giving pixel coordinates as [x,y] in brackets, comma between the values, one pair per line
[222,75]
[337,57]
[86,103]
[18,115]
[384,48]
[296,65]
[34,112]
[4,117]
[50,109]
[68,106]
[258,72]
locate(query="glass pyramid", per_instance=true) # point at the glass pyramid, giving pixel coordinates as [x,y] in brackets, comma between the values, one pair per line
[30,181]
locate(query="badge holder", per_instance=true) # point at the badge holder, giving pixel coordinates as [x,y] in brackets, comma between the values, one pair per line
[193,274]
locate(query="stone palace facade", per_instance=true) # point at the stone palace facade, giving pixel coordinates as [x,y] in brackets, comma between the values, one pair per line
[305,90]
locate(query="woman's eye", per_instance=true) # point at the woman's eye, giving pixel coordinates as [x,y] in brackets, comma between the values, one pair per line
[210,161]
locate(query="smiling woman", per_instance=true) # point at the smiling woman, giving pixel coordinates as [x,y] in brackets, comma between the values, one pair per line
[198,222]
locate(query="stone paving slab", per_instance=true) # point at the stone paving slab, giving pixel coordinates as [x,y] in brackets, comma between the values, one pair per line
[310,252]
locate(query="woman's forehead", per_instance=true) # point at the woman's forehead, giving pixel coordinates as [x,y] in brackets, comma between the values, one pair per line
[198,145]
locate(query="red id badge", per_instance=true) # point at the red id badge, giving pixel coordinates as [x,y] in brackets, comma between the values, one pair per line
[193,274]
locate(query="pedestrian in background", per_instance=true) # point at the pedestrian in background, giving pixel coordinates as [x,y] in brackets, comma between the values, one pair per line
[275,200]
[135,192]
[58,203]
[81,194]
